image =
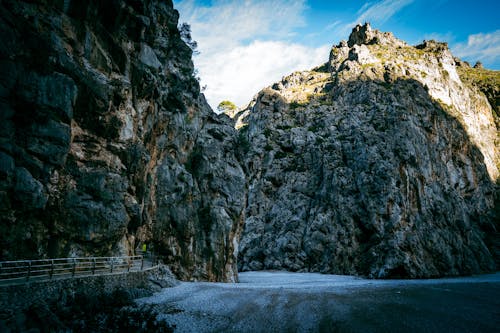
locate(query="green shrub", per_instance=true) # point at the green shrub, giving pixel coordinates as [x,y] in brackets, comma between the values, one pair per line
[226,106]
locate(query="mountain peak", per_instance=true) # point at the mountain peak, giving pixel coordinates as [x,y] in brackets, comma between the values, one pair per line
[364,34]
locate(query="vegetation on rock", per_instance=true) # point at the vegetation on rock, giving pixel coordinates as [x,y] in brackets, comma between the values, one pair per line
[226,106]
[488,82]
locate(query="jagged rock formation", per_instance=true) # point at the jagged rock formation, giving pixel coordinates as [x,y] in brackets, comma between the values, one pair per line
[382,163]
[106,141]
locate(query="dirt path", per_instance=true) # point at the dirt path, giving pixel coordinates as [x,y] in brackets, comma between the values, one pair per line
[306,302]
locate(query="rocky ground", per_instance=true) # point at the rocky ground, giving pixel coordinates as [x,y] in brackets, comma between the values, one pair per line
[308,302]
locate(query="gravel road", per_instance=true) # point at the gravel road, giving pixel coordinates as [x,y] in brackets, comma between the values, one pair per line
[309,302]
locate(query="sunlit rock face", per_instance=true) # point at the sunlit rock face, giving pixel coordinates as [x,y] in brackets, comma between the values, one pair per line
[381,162]
[106,142]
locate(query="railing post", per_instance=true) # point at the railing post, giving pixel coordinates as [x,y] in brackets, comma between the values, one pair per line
[51,268]
[93,266]
[29,270]
[142,263]
[74,268]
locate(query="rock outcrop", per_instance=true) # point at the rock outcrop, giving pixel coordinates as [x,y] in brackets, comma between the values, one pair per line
[381,162]
[106,142]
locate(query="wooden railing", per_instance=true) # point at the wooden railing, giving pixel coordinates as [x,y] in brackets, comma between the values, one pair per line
[45,269]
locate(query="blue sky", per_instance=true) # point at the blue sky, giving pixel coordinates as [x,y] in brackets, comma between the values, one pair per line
[247,45]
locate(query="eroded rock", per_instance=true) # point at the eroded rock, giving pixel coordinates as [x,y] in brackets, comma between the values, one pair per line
[381,163]
[106,142]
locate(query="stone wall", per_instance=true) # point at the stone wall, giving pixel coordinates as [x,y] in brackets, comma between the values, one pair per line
[18,298]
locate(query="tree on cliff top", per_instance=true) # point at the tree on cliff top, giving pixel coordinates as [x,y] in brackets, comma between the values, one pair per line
[226,107]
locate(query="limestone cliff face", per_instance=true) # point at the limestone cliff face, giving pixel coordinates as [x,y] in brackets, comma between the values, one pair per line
[106,141]
[381,162]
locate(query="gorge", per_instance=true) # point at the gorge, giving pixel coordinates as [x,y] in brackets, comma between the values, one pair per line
[382,162]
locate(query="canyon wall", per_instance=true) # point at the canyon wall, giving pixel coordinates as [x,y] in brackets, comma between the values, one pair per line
[381,163]
[106,142]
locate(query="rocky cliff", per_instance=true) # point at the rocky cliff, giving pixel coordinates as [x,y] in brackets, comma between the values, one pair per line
[382,162]
[106,142]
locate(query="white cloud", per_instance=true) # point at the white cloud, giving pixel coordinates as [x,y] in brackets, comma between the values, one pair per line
[243,71]
[225,23]
[447,37]
[333,25]
[482,46]
[376,13]
[244,45]
[381,11]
